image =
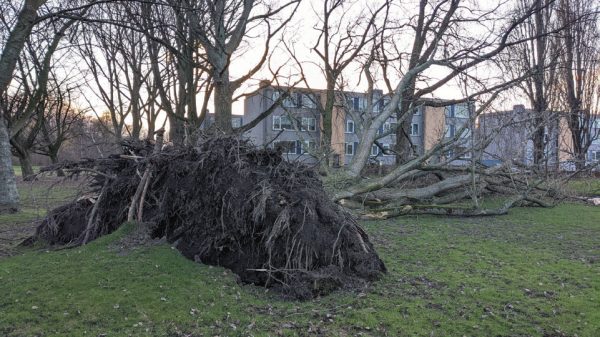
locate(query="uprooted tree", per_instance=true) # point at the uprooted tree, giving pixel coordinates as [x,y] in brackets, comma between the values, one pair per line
[413,57]
[223,203]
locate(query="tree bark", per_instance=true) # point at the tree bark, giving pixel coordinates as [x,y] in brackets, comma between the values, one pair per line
[54,160]
[540,103]
[26,167]
[223,102]
[16,41]
[9,196]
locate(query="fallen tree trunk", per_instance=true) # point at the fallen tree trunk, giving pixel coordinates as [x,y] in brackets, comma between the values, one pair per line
[388,213]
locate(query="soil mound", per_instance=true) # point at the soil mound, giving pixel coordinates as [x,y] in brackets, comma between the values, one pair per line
[226,203]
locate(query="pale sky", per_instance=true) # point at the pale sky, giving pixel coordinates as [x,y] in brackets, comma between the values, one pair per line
[302,36]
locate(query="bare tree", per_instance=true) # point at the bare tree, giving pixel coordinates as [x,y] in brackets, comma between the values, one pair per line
[438,42]
[580,72]
[117,61]
[343,36]
[178,74]
[14,43]
[223,28]
[60,120]
[540,57]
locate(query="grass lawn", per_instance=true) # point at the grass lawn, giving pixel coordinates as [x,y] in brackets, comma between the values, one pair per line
[19,173]
[36,198]
[535,272]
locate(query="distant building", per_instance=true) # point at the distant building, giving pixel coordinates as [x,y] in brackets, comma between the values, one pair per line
[512,132]
[295,125]
[209,120]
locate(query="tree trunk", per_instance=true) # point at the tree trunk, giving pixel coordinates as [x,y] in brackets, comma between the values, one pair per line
[223,101]
[540,104]
[16,40]
[403,145]
[363,152]
[26,167]
[136,114]
[54,160]
[9,196]
[538,143]
[176,130]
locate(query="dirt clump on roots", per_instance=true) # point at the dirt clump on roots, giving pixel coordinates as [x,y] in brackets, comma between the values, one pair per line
[225,203]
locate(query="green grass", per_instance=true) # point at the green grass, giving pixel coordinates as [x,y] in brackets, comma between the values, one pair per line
[533,272]
[585,187]
[35,199]
[19,173]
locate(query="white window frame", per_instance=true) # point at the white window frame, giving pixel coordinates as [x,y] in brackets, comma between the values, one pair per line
[234,121]
[275,96]
[276,143]
[290,101]
[389,126]
[449,134]
[309,101]
[276,121]
[449,111]
[306,124]
[412,129]
[386,147]
[595,156]
[382,103]
[307,146]
[459,111]
[376,152]
[279,121]
[349,122]
[349,146]
[356,101]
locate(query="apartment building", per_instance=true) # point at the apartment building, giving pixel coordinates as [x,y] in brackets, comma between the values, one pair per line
[512,131]
[593,155]
[209,120]
[295,125]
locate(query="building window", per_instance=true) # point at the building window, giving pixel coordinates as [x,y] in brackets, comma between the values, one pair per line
[309,124]
[350,149]
[388,126]
[349,126]
[414,129]
[236,122]
[449,111]
[356,103]
[386,149]
[465,153]
[291,101]
[282,123]
[596,155]
[286,146]
[308,146]
[309,101]
[383,103]
[461,110]
[374,150]
[450,130]
[276,95]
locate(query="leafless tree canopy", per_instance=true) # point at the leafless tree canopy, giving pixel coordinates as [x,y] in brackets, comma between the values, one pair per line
[128,68]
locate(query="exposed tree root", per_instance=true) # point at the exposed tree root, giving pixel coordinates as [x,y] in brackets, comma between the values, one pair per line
[225,203]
